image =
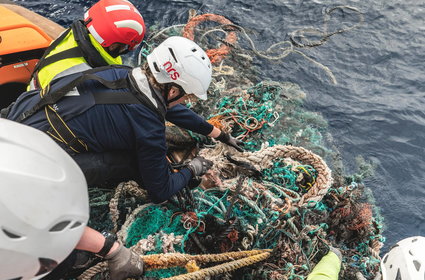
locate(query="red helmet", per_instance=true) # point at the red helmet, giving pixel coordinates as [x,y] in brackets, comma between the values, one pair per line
[115,21]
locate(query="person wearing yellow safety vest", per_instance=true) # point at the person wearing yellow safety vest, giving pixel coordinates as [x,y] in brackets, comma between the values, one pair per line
[110,28]
[328,267]
[44,209]
[112,119]
[404,261]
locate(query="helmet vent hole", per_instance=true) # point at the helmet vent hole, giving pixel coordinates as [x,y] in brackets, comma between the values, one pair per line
[18,278]
[385,258]
[156,67]
[60,226]
[46,265]
[194,50]
[172,53]
[417,265]
[76,224]
[394,246]
[398,276]
[10,234]
[410,253]
[203,57]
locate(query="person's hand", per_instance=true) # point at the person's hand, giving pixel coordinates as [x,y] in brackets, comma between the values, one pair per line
[228,139]
[124,263]
[199,166]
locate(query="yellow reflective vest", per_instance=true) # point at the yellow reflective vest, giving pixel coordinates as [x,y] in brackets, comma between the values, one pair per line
[74,51]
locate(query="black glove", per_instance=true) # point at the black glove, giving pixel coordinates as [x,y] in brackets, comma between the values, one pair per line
[124,263]
[227,139]
[194,182]
[199,166]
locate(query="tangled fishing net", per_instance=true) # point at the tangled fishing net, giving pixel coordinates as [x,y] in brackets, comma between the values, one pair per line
[278,201]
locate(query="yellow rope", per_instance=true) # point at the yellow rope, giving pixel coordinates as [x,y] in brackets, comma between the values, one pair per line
[222,268]
[162,261]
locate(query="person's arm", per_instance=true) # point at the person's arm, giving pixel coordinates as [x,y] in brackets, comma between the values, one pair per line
[93,241]
[186,118]
[156,175]
[151,149]
[122,262]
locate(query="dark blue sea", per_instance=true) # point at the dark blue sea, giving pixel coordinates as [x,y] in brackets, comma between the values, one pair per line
[377,108]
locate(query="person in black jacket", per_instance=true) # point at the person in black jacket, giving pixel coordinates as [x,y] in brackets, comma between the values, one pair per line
[113,122]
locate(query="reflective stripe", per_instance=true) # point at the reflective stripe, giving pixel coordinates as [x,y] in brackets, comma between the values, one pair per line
[73,92]
[32,85]
[136,11]
[96,35]
[130,24]
[74,69]
[117,7]
[143,84]
[86,15]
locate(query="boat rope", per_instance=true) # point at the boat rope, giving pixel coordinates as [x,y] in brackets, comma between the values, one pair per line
[297,37]
[132,188]
[222,268]
[264,159]
[234,260]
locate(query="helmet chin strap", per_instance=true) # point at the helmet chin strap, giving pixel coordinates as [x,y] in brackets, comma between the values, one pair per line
[114,53]
[117,51]
[180,95]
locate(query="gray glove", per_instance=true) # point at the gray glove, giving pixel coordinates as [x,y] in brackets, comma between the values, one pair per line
[124,263]
[199,166]
[227,139]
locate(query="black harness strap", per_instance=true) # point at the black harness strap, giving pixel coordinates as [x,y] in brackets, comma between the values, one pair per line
[123,97]
[40,64]
[69,53]
[49,98]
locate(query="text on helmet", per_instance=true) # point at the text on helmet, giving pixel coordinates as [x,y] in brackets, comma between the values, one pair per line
[170,70]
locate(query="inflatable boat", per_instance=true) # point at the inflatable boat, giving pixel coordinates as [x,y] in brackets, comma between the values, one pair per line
[24,35]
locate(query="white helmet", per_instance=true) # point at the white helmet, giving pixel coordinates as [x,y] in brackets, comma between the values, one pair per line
[405,260]
[43,202]
[181,61]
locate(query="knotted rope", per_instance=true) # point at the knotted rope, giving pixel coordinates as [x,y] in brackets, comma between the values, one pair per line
[163,261]
[264,159]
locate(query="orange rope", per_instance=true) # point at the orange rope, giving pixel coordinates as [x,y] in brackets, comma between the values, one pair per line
[216,121]
[248,129]
[215,55]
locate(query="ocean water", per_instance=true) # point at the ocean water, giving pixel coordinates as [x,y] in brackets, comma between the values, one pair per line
[376,108]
